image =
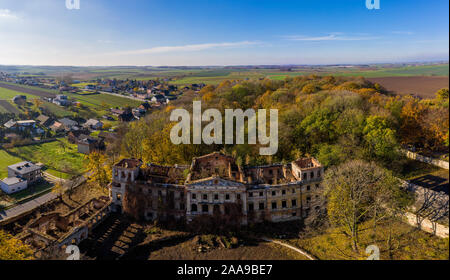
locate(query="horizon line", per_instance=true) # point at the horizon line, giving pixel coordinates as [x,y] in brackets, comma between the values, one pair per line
[239,65]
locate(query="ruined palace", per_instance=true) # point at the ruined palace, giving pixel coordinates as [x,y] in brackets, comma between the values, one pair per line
[215,184]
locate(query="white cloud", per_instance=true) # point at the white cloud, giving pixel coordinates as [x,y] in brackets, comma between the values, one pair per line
[330,37]
[185,48]
[7,14]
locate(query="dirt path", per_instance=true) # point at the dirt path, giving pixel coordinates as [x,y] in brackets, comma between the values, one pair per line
[290,247]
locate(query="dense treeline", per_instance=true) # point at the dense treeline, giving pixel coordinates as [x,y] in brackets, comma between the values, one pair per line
[332,118]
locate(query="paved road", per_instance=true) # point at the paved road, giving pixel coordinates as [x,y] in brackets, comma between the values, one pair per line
[25,207]
[35,203]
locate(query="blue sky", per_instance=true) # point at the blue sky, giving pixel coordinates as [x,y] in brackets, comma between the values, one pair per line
[222,32]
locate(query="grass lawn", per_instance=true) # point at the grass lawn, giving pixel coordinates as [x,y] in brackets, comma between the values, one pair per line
[82,85]
[409,244]
[58,111]
[95,133]
[5,161]
[55,158]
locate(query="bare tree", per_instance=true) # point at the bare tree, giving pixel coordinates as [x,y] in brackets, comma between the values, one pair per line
[358,191]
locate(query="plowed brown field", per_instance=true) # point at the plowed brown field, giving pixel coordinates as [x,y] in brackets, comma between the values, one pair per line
[422,86]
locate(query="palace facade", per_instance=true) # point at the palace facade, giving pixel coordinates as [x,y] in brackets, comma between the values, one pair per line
[215,184]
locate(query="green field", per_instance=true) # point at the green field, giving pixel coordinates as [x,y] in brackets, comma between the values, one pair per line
[217,76]
[58,161]
[58,111]
[82,85]
[7,94]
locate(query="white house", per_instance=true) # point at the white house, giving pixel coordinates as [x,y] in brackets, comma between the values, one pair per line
[26,170]
[13,185]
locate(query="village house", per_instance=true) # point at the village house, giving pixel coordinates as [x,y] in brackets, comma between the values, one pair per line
[123,115]
[159,98]
[217,185]
[74,136]
[145,107]
[57,127]
[68,124]
[137,113]
[117,112]
[88,144]
[44,120]
[61,100]
[25,125]
[93,124]
[143,96]
[90,87]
